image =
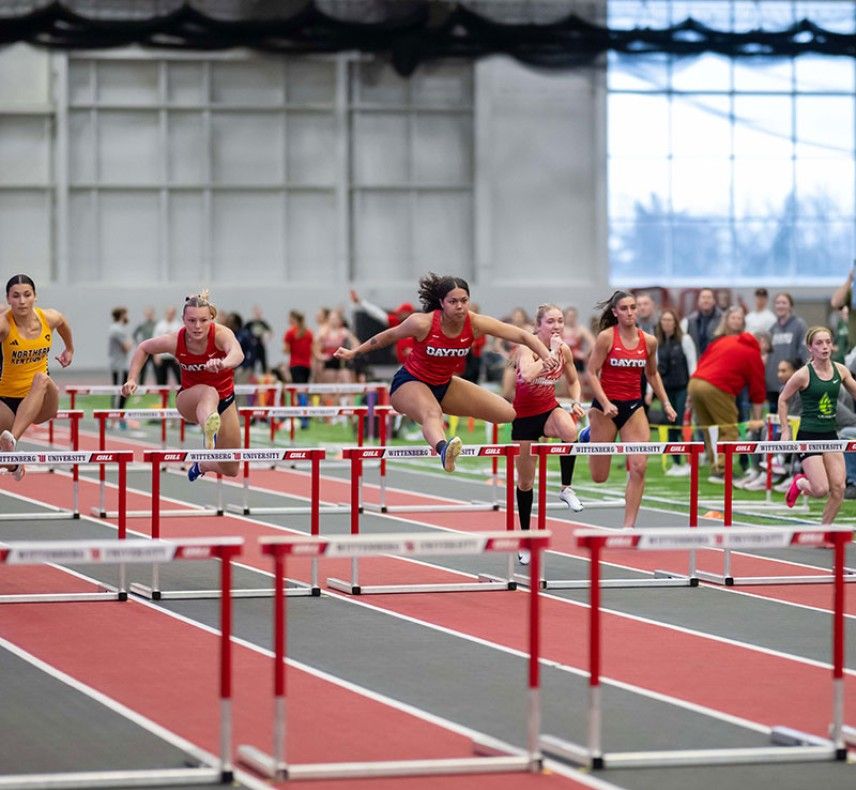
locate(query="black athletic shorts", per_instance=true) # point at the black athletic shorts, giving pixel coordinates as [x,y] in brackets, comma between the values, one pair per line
[626,409]
[530,429]
[225,403]
[12,403]
[402,376]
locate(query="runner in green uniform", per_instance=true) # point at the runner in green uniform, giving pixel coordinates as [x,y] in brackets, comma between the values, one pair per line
[818,383]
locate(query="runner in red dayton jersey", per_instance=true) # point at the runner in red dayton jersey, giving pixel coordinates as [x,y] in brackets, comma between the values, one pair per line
[620,352]
[207,354]
[428,384]
[539,413]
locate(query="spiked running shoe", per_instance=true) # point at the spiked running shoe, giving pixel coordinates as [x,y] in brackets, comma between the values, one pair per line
[212,425]
[794,491]
[450,452]
[568,496]
[194,473]
[7,445]
[523,557]
[585,435]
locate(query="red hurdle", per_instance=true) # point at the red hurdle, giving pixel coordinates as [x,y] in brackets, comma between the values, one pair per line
[660,578]
[276,765]
[757,448]
[136,551]
[486,583]
[156,458]
[801,747]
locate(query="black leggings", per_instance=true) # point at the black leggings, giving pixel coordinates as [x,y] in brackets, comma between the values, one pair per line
[119,377]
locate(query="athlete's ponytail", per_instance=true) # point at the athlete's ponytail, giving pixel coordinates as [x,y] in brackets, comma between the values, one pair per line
[608,317]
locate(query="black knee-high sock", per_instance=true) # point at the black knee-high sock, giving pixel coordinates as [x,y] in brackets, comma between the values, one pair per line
[524,507]
[566,466]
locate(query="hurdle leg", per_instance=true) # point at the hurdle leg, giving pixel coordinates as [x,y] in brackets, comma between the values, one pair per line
[226,770]
[338,584]
[534,719]
[595,724]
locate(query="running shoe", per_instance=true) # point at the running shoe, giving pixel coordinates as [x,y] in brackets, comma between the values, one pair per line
[523,557]
[758,483]
[7,442]
[585,435]
[212,425]
[450,452]
[7,445]
[794,491]
[678,470]
[194,473]
[568,496]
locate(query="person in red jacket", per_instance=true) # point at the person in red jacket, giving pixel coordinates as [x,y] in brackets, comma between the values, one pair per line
[207,354]
[429,384]
[729,363]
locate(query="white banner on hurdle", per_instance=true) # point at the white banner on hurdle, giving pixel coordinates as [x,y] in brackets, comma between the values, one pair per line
[136,551]
[275,764]
[727,576]
[793,745]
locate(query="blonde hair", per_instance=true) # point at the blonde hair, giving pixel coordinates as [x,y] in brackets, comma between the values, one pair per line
[816,330]
[542,311]
[723,329]
[199,300]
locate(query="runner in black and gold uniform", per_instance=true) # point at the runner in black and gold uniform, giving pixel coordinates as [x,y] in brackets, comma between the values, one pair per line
[818,383]
[27,394]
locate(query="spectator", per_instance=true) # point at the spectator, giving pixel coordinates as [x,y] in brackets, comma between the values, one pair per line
[646,312]
[389,318]
[788,332]
[843,297]
[840,334]
[676,361]
[297,343]
[167,363]
[143,331]
[701,323]
[119,345]
[333,335]
[260,332]
[730,363]
[761,318]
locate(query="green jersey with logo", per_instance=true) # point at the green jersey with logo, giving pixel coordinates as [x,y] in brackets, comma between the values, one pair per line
[819,401]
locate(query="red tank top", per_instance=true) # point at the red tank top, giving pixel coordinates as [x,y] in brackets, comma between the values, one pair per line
[621,373]
[536,396]
[193,366]
[437,358]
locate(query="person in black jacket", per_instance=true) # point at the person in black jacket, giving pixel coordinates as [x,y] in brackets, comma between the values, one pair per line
[701,324]
[676,361]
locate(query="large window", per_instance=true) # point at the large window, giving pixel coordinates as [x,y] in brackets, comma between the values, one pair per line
[731,171]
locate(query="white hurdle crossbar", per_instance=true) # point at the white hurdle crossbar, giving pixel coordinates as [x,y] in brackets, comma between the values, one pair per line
[486,583]
[136,551]
[659,578]
[159,457]
[102,415]
[757,448]
[277,766]
[801,747]
[73,458]
[359,454]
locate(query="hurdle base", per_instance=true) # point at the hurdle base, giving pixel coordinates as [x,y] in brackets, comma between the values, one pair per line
[463,507]
[579,755]
[746,581]
[266,765]
[130,778]
[186,513]
[488,578]
[298,590]
[849,736]
[593,504]
[383,589]
[671,580]
[107,595]
[56,515]
[296,510]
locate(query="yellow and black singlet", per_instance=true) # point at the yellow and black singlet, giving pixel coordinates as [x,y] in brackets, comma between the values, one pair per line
[24,357]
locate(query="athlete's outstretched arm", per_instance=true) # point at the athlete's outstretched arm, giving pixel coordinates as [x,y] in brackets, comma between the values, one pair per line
[416,325]
[486,325]
[161,344]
